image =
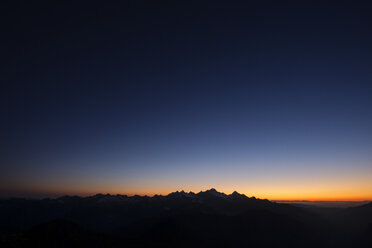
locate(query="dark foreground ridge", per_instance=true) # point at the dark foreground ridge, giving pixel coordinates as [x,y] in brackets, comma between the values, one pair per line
[205,219]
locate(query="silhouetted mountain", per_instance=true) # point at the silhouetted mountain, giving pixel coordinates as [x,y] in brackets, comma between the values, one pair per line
[179,219]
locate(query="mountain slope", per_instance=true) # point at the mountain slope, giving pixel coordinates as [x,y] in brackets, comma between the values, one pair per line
[205,219]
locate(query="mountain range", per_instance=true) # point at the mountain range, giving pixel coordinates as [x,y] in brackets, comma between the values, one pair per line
[179,219]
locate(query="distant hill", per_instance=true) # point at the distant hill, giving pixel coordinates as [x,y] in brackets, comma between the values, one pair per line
[205,219]
[328,204]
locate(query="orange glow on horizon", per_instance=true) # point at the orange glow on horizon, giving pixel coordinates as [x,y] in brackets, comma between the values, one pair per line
[277,196]
[327,187]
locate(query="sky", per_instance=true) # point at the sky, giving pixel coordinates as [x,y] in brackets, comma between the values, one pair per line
[135,97]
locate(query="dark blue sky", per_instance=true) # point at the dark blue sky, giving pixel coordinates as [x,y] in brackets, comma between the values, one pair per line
[144,97]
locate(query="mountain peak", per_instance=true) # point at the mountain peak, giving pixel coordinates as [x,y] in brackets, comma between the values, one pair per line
[180,194]
[235,194]
[212,192]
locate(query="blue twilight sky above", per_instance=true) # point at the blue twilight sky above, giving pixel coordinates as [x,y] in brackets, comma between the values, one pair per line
[142,97]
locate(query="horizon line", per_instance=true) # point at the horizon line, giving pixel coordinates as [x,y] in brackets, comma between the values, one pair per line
[55,195]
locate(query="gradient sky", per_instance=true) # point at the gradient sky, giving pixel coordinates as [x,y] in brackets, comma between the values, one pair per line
[272,100]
